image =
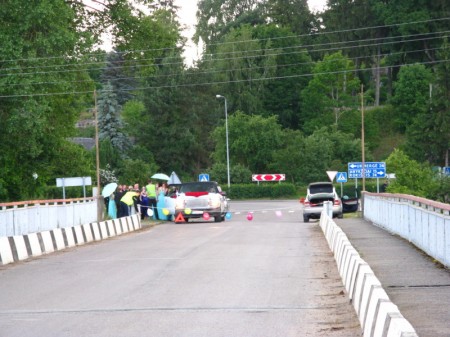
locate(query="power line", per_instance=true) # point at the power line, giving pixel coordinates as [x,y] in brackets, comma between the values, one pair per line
[277,66]
[228,53]
[221,82]
[275,50]
[244,41]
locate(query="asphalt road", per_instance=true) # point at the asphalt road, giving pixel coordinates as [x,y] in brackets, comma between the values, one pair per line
[271,276]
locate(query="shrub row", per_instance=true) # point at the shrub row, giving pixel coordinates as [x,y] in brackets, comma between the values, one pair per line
[269,190]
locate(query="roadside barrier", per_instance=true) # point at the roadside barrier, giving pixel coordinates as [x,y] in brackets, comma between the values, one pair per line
[21,247]
[378,316]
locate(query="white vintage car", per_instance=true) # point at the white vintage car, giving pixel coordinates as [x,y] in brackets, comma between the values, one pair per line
[195,199]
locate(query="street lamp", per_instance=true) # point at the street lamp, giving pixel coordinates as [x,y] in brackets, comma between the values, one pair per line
[226,131]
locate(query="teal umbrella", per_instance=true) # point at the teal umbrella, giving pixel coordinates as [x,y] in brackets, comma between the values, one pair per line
[109,189]
[160,176]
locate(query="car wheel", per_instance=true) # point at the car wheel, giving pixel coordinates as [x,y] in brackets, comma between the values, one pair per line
[340,216]
[218,218]
[305,218]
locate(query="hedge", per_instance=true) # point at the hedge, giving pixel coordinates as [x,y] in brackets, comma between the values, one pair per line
[268,190]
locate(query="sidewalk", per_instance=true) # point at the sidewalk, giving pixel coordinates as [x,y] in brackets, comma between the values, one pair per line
[413,281]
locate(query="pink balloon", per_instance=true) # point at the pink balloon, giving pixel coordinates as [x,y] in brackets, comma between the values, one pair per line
[206,216]
[249,216]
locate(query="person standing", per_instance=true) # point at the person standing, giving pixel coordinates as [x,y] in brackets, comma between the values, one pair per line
[144,201]
[119,194]
[128,201]
[151,192]
[161,201]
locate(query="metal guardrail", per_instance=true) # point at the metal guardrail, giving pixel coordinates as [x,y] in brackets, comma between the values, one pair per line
[20,218]
[423,222]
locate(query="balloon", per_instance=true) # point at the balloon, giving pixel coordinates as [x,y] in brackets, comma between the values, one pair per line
[206,216]
[228,216]
[279,214]
[249,216]
[166,211]
[149,212]
[187,211]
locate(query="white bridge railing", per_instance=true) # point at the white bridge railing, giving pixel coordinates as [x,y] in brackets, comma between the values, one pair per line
[423,222]
[20,218]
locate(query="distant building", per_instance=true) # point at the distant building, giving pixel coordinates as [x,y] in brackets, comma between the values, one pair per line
[87,143]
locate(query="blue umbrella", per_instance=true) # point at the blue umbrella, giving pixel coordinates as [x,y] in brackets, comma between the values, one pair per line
[109,189]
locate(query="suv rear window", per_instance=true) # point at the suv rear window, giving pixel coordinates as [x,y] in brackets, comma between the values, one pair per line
[198,187]
[320,188]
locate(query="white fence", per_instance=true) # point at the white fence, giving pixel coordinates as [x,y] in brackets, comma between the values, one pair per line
[423,222]
[20,218]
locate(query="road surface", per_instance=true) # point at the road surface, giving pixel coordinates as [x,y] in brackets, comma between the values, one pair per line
[271,276]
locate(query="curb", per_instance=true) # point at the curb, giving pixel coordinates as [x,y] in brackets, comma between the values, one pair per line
[22,247]
[378,316]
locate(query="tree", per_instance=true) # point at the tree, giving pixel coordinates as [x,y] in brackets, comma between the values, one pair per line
[315,155]
[217,18]
[280,95]
[239,174]
[292,14]
[109,122]
[306,159]
[252,141]
[344,23]
[288,158]
[428,138]
[332,91]
[42,46]
[411,95]
[242,65]
[411,177]
[119,77]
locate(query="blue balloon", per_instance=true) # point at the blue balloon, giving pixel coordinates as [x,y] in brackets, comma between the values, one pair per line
[228,216]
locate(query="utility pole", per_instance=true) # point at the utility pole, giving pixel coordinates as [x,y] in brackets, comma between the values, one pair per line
[97,159]
[362,151]
[362,141]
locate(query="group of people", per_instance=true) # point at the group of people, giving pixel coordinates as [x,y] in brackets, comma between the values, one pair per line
[121,203]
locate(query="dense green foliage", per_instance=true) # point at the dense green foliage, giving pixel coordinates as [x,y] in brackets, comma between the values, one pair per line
[295,84]
[416,179]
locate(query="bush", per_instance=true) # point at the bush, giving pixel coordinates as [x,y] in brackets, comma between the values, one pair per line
[351,191]
[261,191]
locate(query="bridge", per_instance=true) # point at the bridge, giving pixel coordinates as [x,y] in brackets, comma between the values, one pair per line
[394,288]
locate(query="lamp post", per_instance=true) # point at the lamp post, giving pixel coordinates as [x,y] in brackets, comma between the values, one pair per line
[226,131]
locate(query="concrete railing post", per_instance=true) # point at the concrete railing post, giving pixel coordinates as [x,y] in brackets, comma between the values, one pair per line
[328,208]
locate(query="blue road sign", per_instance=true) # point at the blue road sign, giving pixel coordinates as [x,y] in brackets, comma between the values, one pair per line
[203,177]
[446,170]
[371,170]
[341,177]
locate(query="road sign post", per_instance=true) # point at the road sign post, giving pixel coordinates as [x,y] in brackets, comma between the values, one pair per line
[203,177]
[371,170]
[341,177]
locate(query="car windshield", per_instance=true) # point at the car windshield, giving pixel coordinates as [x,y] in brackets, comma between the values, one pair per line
[198,187]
